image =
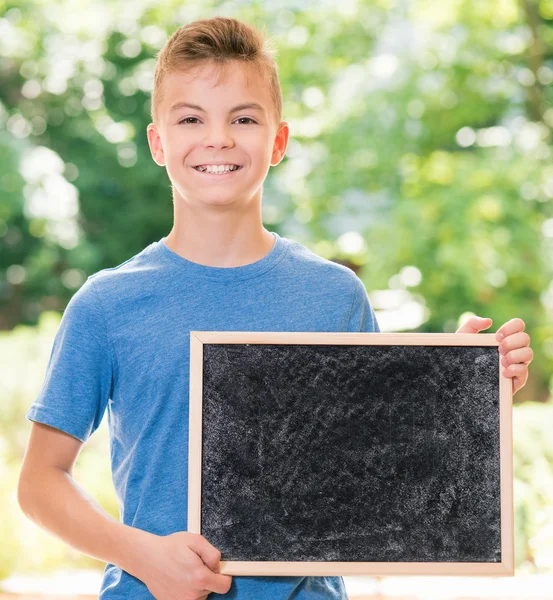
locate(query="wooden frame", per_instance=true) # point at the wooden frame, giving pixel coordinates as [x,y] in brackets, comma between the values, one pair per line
[503,568]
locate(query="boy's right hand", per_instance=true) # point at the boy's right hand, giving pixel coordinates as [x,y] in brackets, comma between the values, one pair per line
[182,566]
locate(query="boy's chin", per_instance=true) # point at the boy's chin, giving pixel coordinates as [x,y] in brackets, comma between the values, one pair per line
[211,200]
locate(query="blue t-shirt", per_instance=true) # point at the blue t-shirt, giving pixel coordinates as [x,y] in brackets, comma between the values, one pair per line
[123,345]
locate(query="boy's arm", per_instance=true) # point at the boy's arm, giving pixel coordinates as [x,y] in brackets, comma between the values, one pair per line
[182,563]
[49,496]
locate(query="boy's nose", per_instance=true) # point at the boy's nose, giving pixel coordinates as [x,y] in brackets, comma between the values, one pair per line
[218,137]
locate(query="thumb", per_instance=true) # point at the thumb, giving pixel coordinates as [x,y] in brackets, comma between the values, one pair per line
[475,324]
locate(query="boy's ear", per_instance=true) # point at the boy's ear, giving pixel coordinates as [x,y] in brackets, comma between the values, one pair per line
[281,142]
[156,148]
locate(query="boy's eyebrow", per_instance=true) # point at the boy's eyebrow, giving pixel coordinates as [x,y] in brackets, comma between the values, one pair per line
[253,105]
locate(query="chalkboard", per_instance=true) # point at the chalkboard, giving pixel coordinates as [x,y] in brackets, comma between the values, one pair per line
[351,453]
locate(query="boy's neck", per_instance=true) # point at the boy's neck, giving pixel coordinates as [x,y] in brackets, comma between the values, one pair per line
[220,244]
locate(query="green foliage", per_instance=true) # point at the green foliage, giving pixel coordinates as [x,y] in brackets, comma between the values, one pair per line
[422,127]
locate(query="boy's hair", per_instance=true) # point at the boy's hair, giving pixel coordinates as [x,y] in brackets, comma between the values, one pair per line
[218,40]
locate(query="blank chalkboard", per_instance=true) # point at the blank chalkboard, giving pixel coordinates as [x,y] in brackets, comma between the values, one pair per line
[351,453]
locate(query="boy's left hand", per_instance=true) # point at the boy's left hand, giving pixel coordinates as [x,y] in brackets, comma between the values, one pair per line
[514,347]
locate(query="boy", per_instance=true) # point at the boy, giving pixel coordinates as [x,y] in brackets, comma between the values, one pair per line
[123,344]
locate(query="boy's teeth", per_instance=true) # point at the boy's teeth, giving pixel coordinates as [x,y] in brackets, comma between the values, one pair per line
[218,169]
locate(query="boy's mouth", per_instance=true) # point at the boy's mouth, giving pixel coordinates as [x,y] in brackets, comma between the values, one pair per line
[217,170]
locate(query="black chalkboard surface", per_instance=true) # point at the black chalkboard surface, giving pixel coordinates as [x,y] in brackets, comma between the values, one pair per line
[351,453]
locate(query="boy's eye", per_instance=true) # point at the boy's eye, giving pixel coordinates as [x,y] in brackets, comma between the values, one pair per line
[187,120]
[245,119]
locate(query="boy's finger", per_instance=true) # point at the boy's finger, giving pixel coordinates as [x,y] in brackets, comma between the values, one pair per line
[217,583]
[211,556]
[213,560]
[206,551]
[510,327]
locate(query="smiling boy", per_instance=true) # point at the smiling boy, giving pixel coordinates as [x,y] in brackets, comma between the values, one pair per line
[123,343]
[210,116]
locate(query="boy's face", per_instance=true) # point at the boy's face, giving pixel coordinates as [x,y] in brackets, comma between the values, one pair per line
[186,137]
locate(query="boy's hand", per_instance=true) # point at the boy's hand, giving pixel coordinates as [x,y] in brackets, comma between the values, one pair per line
[182,566]
[514,347]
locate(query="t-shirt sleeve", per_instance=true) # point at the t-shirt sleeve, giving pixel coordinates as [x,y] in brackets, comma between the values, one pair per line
[79,376]
[362,317]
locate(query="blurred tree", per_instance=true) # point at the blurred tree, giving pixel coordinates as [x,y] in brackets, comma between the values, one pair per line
[421,126]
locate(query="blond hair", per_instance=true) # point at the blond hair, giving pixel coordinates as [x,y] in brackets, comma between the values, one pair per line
[218,40]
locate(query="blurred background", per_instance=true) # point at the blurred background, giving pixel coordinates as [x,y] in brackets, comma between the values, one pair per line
[420,156]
